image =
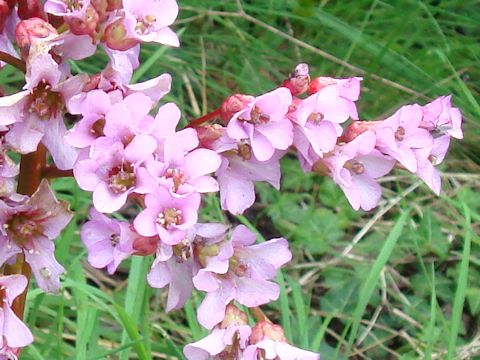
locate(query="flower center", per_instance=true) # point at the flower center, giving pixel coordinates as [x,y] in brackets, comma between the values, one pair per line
[237,266]
[114,239]
[169,217]
[182,251]
[354,166]
[400,134]
[22,229]
[45,102]
[144,24]
[74,5]
[315,117]
[121,179]
[244,151]
[178,176]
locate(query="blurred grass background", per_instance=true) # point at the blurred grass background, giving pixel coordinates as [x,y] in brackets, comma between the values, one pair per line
[400,282]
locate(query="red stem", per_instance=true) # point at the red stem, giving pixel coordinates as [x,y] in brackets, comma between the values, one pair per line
[197,122]
[12,60]
[52,172]
[30,176]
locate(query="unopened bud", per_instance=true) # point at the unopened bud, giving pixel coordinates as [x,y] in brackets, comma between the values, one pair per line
[208,134]
[319,83]
[29,31]
[266,330]
[144,246]
[357,128]
[85,25]
[28,9]
[298,80]
[116,36]
[233,317]
[234,104]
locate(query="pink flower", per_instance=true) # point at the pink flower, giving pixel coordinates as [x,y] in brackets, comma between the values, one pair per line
[237,174]
[30,226]
[186,174]
[108,241]
[226,341]
[237,270]
[14,334]
[263,121]
[175,265]
[439,117]
[427,160]
[267,341]
[113,172]
[167,216]
[37,113]
[355,166]
[400,134]
[149,20]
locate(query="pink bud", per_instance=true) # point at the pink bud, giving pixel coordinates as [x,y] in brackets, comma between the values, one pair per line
[145,246]
[233,104]
[266,330]
[30,8]
[116,36]
[357,128]
[85,25]
[298,80]
[28,31]
[319,83]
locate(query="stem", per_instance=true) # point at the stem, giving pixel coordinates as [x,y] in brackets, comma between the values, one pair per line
[52,172]
[197,122]
[259,315]
[30,176]
[12,60]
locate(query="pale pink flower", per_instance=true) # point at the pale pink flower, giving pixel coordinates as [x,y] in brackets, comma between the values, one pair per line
[30,225]
[355,166]
[14,334]
[263,121]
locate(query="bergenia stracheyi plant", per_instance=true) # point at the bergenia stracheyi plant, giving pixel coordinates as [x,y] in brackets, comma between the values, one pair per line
[123,151]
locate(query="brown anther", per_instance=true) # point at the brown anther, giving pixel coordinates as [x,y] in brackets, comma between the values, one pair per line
[354,166]
[121,181]
[114,239]
[315,117]
[245,151]
[433,159]
[400,134]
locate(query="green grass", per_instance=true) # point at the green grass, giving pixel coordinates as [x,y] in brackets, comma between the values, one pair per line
[428,294]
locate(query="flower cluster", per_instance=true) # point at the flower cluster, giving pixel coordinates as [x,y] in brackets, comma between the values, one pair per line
[107,133]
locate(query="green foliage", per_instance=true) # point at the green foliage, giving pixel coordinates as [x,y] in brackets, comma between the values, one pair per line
[407,296]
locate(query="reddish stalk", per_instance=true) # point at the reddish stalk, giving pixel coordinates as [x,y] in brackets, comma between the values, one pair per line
[12,60]
[52,172]
[197,122]
[259,315]
[30,176]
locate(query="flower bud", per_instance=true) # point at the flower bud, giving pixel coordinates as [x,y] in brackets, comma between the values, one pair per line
[298,80]
[232,105]
[357,128]
[319,83]
[30,30]
[266,330]
[85,25]
[28,9]
[144,246]
[116,36]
